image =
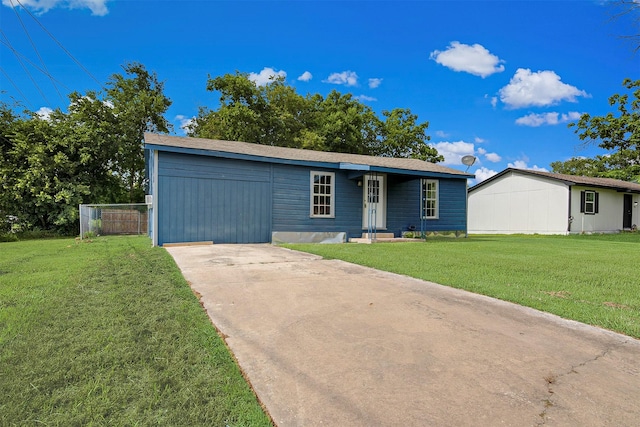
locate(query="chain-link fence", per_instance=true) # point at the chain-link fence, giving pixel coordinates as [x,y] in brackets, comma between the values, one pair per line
[102,219]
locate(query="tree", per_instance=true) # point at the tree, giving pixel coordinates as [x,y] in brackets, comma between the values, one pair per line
[51,166]
[138,104]
[581,166]
[93,153]
[274,114]
[269,115]
[402,136]
[344,124]
[618,133]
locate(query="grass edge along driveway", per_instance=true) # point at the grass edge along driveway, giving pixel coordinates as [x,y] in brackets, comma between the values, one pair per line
[594,279]
[109,332]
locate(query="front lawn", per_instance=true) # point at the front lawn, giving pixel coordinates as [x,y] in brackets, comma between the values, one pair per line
[593,279]
[107,332]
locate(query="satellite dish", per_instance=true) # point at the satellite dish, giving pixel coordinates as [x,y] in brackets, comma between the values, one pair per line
[468,161]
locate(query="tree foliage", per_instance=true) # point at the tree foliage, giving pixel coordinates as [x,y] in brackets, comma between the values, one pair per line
[138,105]
[275,114]
[49,168]
[581,166]
[617,132]
[93,153]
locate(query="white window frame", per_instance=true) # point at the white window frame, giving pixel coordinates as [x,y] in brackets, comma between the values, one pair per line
[318,195]
[424,199]
[590,206]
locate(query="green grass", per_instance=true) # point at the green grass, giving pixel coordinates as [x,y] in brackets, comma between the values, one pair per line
[109,333]
[593,279]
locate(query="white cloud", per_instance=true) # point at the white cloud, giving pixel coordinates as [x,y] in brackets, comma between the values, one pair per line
[374,83]
[44,113]
[494,101]
[347,78]
[266,76]
[473,59]
[553,118]
[365,98]
[535,120]
[441,134]
[305,77]
[97,7]
[572,115]
[479,140]
[522,164]
[538,89]
[454,151]
[484,173]
[493,157]
[185,122]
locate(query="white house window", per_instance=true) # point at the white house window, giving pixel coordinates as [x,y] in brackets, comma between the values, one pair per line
[322,194]
[429,198]
[589,202]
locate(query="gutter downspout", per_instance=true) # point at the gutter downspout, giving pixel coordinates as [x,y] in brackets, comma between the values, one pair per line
[570,219]
[466,208]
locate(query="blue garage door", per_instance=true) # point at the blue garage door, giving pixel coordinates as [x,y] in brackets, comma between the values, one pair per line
[214,206]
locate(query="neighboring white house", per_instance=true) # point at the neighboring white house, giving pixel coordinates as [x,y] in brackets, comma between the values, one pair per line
[524,201]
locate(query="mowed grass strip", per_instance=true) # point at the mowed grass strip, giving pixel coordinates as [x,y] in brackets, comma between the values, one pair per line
[109,333]
[593,279]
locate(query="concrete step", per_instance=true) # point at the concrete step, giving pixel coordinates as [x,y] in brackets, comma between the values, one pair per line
[377,235]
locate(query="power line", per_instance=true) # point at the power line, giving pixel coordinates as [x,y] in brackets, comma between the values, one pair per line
[15,87]
[15,52]
[35,48]
[26,70]
[59,44]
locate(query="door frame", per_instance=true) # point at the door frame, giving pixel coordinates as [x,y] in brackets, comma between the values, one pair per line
[377,208]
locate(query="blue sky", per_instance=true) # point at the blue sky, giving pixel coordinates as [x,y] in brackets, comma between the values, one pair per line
[496,79]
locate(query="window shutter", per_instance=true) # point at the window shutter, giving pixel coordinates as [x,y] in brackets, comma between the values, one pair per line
[596,203]
[582,201]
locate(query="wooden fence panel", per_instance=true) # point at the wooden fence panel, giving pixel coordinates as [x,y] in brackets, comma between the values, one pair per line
[117,221]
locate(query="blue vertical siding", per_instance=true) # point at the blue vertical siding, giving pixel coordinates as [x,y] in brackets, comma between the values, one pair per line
[203,198]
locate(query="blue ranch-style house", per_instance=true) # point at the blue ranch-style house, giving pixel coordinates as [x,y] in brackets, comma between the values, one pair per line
[205,190]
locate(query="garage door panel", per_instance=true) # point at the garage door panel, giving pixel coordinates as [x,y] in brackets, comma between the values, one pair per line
[224,211]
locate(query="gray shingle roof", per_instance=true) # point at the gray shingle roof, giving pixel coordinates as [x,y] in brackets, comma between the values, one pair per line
[589,181]
[296,154]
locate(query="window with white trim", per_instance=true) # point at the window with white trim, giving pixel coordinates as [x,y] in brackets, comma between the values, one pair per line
[589,202]
[429,197]
[322,194]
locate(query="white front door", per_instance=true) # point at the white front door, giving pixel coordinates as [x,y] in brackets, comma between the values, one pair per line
[374,203]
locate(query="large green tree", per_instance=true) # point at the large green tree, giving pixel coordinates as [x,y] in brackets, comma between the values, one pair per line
[275,114]
[618,132]
[270,115]
[93,153]
[138,105]
[51,165]
[582,166]
[403,136]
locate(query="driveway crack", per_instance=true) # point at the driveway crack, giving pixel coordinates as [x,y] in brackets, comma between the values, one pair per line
[551,379]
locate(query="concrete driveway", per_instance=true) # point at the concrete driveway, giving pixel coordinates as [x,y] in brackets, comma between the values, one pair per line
[328,343]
